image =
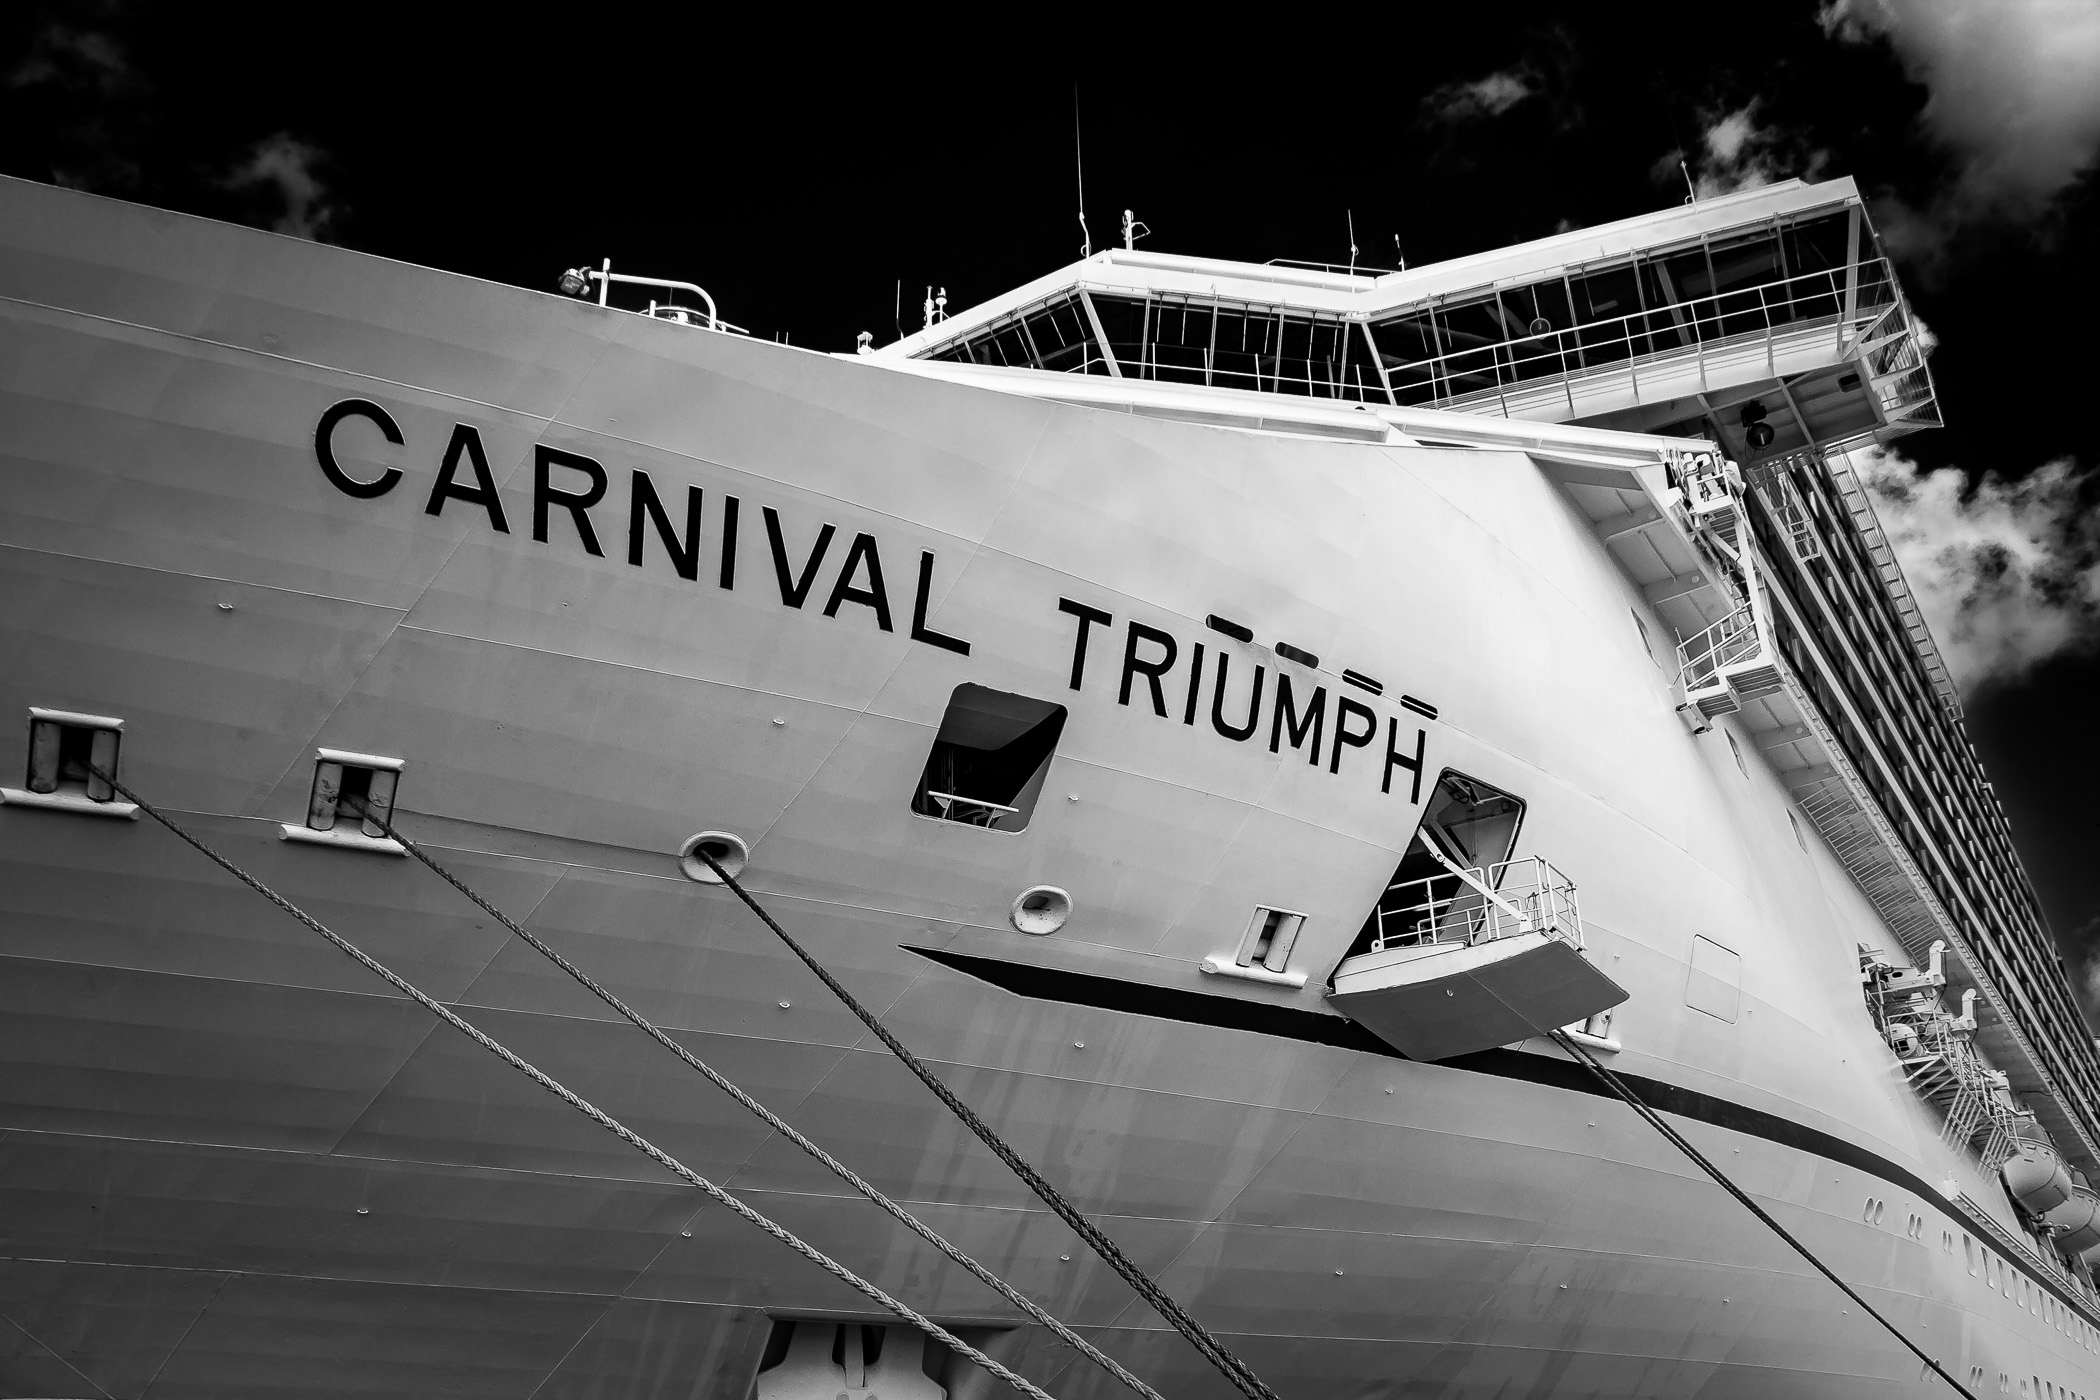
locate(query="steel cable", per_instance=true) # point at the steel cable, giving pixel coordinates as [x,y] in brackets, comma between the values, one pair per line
[1231,1367]
[1619,1088]
[766,1115]
[576,1101]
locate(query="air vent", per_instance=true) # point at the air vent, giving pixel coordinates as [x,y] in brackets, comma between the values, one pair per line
[1270,937]
[1364,682]
[1265,949]
[1230,628]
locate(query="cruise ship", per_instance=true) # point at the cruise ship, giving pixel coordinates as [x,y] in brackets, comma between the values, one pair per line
[1418,803]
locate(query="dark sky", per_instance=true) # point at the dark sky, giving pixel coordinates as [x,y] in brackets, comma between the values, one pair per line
[803,171]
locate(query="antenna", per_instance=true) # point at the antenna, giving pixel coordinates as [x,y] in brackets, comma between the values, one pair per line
[1693,197]
[1133,229]
[1398,253]
[1086,240]
[1352,240]
[897,311]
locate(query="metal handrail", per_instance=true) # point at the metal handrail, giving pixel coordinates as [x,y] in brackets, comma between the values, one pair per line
[992,810]
[1701,656]
[580,278]
[1700,319]
[1764,316]
[1479,905]
[1701,324]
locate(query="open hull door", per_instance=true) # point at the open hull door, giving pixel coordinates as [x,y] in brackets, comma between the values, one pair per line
[1465,951]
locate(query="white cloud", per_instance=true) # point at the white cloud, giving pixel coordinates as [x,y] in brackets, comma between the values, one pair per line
[2013,100]
[1738,152]
[2007,573]
[284,166]
[2085,939]
[1485,97]
[73,57]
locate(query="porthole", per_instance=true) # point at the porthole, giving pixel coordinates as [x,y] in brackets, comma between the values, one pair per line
[727,849]
[1040,910]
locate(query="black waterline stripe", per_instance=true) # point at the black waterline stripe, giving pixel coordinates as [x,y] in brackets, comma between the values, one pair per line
[1290,1023]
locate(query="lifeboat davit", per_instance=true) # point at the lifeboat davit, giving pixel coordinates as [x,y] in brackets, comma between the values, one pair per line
[2037,1177]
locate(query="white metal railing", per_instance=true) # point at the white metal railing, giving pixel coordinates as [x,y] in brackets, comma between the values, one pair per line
[1775,484]
[1478,905]
[1805,303]
[1414,356]
[1328,353]
[1707,480]
[577,282]
[1938,1057]
[975,811]
[1701,657]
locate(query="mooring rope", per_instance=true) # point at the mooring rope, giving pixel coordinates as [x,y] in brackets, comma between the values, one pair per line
[577,1102]
[766,1115]
[1640,1106]
[1234,1370]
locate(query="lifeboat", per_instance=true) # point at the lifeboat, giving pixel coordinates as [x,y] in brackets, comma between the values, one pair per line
[2037,1177]
[2077,1222]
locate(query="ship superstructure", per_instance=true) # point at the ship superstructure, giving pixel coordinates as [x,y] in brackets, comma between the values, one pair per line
[1770,323]
[1258,732]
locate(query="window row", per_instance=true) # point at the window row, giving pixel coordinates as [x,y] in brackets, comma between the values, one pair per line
[1651,304]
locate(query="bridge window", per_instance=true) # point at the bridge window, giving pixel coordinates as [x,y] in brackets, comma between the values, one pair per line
[1182,340]
[1053,335]
[989,759]
[1236,345]
[1474,347]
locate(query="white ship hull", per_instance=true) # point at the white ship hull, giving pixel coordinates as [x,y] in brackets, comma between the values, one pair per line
[233,1163]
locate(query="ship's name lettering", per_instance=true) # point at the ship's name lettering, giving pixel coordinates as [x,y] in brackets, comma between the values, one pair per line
[568,485]
[1152,677]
